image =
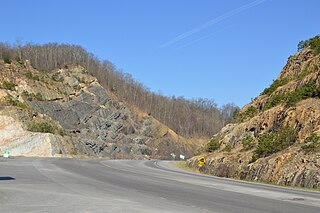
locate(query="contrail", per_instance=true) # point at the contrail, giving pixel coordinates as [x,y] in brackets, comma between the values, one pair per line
[202,38]
[212,22]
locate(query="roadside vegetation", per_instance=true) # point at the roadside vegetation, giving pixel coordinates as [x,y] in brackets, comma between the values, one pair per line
[289,99]
[56,77]
[242,116]
[6,58]
[312,144]
[31,96]
[9,101]
[311,90]
[182,165]
[313,43]
[248,143]
[227,148]
[277,83]
[44,126]
[31,76]
[9,85]
[276,141]
[213,145]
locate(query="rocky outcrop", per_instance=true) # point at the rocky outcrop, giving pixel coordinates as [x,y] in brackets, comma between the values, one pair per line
[292,101]
[24,143]
[83,118]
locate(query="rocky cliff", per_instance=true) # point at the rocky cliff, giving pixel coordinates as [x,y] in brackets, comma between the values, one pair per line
[276,138]
[66,112]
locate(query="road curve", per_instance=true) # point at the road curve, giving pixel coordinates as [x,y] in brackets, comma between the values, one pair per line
[96,185]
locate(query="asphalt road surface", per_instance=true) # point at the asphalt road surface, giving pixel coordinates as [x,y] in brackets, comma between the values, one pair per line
[96,185]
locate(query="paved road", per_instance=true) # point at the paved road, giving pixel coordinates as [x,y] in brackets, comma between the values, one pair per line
[72,185]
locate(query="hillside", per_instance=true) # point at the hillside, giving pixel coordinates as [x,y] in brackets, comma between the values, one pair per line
[66,112]
[276,138]
[196,118]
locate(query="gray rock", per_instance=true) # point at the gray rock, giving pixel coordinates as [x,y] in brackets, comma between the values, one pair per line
[141,150]
[139,141]
[71,81]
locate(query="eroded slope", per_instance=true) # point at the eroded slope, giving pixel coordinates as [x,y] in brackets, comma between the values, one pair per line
[66,112]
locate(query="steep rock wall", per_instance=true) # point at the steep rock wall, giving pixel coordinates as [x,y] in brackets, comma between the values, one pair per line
[267,114]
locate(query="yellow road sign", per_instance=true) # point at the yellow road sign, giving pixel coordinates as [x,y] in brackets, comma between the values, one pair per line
[201,161]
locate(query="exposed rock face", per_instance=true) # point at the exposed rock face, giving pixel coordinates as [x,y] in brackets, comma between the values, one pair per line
[87,119]
[291,165]
[20,142]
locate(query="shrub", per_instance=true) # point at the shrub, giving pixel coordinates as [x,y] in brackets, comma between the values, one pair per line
[36,78]
[31,96]
[81,80]
[266,145]
[42,126]
[277,141]
[312,143]
[31,76]
[303,73]
[27,95]
[254,158]
[213,145]
[228,148]
[315,45]
[235,115]
[45,126]
[248,143]
[311,90]
[274,101]
[55,77]
[303,44]
[18,59]
[38,96]
[77,87]
[274,86]
[11,102]
[9,85]
[249,113]
[6,58]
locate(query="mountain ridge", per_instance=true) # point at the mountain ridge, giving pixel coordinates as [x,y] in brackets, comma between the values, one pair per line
[66,112]
[276,137]
[190,118]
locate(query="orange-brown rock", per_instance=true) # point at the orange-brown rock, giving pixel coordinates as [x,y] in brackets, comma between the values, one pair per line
[290,166]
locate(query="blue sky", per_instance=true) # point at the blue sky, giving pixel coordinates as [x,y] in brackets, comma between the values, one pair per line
[226,50]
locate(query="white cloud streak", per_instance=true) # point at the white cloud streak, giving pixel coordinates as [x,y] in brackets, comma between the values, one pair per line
[212,22]
[202,38]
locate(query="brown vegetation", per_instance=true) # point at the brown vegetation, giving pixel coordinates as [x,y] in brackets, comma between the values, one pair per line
[190,118]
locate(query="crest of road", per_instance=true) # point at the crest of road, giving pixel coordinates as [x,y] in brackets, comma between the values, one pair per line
[97,185]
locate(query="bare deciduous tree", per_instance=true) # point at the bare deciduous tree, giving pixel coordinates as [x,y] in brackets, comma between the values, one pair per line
[190,118]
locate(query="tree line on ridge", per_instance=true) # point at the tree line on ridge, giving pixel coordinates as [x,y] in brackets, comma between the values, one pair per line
[189,118]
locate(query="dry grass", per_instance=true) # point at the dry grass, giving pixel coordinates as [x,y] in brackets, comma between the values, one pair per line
[182,165]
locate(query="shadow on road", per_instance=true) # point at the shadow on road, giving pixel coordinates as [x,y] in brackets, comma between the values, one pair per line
[6,178]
